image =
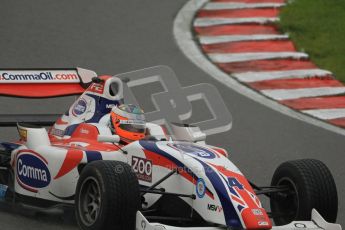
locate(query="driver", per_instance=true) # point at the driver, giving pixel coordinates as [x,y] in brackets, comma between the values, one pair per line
[128,121]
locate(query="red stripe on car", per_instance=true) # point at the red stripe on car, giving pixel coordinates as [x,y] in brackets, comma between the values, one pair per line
[40,90]
[72,160]
[166,163]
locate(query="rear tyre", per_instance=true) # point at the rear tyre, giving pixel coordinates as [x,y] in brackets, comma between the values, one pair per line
[311,186]
[107,196]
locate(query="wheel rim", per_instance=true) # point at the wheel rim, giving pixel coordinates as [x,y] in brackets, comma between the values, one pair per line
[288,202]
[90,201]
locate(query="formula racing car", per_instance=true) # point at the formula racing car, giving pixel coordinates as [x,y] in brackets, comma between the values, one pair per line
[158,180]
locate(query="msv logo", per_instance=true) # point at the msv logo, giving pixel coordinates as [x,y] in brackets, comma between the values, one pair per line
[32,171]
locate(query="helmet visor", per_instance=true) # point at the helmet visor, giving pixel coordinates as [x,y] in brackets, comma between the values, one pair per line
[133,126]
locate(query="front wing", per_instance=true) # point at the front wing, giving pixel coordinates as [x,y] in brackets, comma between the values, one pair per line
[317,223]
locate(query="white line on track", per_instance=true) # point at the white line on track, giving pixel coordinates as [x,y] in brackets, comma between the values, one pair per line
[285,94]
[209,40]
[186,42]
[205,22]
[240,57]
[326,114]
[271,75]
[233,5]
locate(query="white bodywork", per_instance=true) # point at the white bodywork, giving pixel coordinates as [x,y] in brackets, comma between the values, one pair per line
[317,223]
[46,165]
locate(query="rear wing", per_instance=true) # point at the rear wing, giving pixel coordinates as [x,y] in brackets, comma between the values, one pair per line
[44,83]
[41,83]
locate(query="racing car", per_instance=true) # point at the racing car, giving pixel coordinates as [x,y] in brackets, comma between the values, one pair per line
[159,181]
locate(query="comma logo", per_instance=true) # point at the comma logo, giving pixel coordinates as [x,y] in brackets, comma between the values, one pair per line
[39,76]
[32,171]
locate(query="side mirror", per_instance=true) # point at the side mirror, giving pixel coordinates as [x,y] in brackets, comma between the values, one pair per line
[111,138]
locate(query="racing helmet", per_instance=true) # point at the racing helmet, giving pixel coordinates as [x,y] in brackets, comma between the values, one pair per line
[128,121]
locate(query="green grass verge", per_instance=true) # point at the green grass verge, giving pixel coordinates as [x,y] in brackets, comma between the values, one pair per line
[317,27]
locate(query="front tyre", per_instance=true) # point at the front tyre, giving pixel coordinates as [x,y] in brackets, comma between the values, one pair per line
[311,185]
[107,196]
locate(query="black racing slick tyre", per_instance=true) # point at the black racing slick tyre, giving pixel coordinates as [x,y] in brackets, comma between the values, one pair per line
[311,186]
[107,196]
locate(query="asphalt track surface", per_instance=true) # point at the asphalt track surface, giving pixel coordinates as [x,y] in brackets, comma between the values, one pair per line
[118,36]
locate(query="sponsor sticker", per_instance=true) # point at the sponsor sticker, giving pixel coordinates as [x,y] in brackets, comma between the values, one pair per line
[143,225]
[132,122]
[257,212]
[96,88]
[80,107]
[57,132]
[143,168]
[194,150]
[263,223]
[84,131]
[109,106]
[300,225]
[200,188]
[39,76]
[23,133]
[32,171]
[214,208]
